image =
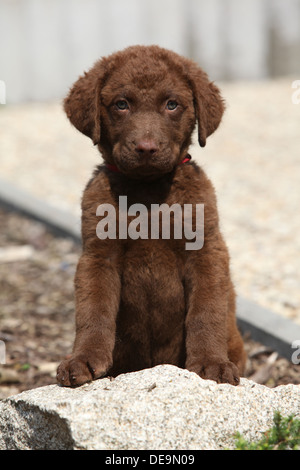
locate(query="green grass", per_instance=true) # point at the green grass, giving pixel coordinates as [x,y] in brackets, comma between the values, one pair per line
[284,435]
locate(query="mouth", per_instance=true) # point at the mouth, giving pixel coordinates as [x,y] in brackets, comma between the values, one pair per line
[136,165]
[145,170]
[142,164]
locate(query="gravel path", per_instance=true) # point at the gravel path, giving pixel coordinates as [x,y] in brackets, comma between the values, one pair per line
[253,160]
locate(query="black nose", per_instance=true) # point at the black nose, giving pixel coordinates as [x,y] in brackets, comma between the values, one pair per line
[146,147]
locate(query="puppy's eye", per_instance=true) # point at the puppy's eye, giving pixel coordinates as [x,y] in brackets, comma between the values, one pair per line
[171,105]
[122,105]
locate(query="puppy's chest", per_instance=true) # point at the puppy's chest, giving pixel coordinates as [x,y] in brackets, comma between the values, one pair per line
[152,274]
[169,219]
[152,308]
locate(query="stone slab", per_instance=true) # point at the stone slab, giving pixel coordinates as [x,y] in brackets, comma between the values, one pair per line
[159,408]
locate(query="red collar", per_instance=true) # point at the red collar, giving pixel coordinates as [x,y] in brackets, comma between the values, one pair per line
[186,159]
[114,168]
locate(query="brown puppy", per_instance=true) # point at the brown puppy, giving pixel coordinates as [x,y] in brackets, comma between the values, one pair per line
[143,301]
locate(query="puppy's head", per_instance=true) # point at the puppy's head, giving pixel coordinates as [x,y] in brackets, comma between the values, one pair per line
[140,107]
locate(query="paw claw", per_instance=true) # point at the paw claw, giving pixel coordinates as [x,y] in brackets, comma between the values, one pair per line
[220,372]
[77,370]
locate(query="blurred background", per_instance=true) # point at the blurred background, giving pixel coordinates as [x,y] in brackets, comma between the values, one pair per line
[45,44]
[250,48]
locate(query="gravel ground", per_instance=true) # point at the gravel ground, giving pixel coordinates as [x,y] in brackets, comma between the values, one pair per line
[37,310]
[253,160]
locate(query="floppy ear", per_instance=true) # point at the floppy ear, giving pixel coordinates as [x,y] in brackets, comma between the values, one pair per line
[209,105]
[82,105]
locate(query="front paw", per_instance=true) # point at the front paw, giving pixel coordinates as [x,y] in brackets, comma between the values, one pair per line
[80,368]
[221,372]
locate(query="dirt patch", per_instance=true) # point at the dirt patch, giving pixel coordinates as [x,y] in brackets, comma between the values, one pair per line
[37,310]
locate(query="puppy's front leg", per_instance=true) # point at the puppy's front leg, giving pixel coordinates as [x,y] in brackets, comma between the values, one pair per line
[207,286]
[97,288]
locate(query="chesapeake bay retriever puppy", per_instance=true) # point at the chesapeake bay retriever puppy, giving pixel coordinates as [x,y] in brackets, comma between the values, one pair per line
[142,300]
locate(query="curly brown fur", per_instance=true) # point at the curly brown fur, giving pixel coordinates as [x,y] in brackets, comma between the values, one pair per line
[143,302]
